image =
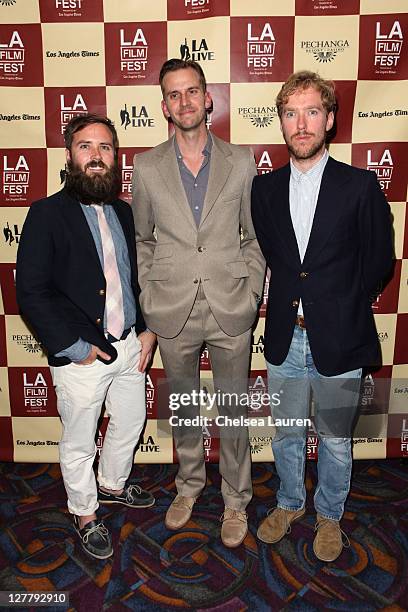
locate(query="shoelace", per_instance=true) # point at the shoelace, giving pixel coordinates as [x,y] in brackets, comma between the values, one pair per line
[344,536]
[99,528]
[182,501]
[235,514]
[132,489]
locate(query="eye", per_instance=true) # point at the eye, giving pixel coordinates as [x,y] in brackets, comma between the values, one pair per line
[193,91]
[84,145]
[313,112]
[106,147]
[290,114]
[174,95]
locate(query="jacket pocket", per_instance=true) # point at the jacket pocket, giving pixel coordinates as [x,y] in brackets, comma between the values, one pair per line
[159,271]
[238,269]
[162,251]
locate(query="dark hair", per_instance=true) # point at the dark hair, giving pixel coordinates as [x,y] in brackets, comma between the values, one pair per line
[178,64]
[303,80]
[82,121]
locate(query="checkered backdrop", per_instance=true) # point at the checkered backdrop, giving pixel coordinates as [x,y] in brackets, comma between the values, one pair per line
[61,58]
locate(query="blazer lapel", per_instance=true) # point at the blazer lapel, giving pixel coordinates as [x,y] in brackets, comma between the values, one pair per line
[220,168]
[328,209]
[169,170]
[280,213]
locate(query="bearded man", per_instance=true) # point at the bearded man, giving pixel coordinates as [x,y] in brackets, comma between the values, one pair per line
[77,285]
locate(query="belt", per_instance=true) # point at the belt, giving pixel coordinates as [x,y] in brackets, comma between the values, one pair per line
[125,334]
[300,321]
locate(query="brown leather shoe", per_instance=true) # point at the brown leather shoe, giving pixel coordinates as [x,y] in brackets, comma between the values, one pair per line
[234,527]
[328,542]
[179,512]
[277,524]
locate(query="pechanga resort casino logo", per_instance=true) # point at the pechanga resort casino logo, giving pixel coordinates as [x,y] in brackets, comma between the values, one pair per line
[324,51]
[196,49]
[7,2]
[259,116]
[28,342]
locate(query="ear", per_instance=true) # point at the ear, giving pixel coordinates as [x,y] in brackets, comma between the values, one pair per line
[165,109]
[330,121]
[208,102]
[67,155]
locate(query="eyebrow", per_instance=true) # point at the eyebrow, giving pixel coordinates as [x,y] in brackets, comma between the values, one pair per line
[89,142]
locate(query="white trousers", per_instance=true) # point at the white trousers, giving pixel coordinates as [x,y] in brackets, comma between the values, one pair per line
[81,390]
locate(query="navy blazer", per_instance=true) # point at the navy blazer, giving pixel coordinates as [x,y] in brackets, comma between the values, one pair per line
[59,278]
[349,253]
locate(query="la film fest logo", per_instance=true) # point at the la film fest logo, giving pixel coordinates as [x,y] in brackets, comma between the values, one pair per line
[197,6]
[259,116]
[12,56]
[324,51]
[16,180]
[258,345]
[383,168]
[133,54]
[260,47]
[264,164]
[127,171]
[71,109]
[388,45]
[136,117]
[367,390]
[196,49]
[404,436]
[35,392]
[69,7]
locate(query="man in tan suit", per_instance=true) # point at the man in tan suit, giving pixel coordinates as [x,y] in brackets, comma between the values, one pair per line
[201,274]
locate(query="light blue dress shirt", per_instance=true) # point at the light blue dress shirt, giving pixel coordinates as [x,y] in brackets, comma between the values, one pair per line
[304,190]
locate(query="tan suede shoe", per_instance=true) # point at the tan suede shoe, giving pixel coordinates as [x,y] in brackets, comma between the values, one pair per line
[277,524]
[328,542]
[179,512]
[234,527]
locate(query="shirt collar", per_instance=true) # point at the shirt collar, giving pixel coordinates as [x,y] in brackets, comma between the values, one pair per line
[314,173]
[206,151]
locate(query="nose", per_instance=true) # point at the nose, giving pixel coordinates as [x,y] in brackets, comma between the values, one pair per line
[184,98]
[301,121]
[95,153]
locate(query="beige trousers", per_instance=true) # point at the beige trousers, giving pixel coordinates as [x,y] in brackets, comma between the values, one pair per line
[230,364]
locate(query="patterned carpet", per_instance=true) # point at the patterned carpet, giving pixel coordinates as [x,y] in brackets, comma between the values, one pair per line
[154,569]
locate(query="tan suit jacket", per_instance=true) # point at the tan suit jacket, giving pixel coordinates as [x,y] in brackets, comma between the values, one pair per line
[174,255]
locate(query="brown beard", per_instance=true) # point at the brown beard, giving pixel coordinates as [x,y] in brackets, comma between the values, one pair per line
[96,188]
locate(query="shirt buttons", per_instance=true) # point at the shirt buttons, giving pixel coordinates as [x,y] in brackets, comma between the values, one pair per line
[101,291]
[201,249]
[195,207]
[195,184]
[303,274]
[195,281]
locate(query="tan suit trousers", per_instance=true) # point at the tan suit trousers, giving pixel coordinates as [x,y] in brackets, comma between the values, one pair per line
[230,364]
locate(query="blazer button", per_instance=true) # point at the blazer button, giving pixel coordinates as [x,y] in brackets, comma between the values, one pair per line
[295,303]
[98,321]
[195,281]
[201,249]
[101,291]
[304,274]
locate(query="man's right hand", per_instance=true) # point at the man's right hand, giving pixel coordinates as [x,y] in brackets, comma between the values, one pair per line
[93,354]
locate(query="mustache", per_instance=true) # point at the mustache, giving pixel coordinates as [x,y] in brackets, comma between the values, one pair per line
[303,134]
[96,164]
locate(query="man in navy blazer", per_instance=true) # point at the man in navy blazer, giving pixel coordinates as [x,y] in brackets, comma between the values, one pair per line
[324,228]
[76,267]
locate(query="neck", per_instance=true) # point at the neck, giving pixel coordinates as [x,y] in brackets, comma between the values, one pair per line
[191,143]
[306,164]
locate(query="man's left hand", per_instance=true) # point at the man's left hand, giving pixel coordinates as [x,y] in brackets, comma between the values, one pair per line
[147,340]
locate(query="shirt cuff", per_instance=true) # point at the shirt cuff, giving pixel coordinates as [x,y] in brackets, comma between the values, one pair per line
[78,351]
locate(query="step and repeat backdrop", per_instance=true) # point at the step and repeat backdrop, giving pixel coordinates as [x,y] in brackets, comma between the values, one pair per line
[62,58]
